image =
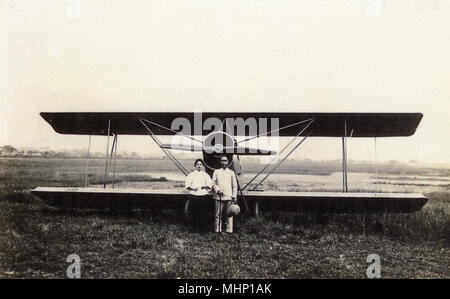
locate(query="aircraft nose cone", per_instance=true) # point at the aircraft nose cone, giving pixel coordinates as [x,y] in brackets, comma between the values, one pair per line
[218,148]
[217,142]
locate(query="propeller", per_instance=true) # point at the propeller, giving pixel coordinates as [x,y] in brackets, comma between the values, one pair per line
[220,149]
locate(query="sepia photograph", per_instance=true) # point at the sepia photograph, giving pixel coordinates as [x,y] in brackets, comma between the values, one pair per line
[245,142]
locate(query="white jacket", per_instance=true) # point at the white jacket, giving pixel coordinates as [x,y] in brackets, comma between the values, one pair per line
[198,179]
[225,181]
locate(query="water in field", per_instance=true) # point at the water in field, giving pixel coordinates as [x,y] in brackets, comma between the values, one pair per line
[357,182]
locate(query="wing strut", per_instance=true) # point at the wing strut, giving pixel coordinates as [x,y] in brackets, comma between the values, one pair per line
[344,160]
[166,128]
[108,165]
[234,169]
[285,127]
[240,191]
[87,162]
[279,163]
[116,139]
[273,160]
[376,163]
[107,148]
[171,157]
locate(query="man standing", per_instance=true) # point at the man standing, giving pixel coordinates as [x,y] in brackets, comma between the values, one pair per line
[225,187]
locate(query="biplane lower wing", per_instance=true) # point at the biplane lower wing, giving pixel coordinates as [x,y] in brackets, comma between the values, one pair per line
[264,201]
[97,198]
[343,202]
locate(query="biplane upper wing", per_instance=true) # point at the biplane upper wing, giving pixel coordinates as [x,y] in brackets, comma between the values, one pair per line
[324,125]
[266,201]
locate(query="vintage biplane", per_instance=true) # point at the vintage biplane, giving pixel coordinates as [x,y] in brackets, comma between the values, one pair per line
[216,137]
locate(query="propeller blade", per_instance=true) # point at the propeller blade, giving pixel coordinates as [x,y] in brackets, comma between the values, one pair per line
[183,147]
[239,150]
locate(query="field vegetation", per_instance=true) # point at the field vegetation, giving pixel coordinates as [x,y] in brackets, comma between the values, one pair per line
[35,239]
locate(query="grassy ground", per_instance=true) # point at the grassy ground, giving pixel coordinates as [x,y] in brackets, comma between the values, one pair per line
[35,239]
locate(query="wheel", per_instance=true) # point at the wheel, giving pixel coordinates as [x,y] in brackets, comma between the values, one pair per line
[256,209]
[186,212]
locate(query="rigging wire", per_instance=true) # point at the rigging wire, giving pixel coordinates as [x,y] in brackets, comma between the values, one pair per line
[87,162]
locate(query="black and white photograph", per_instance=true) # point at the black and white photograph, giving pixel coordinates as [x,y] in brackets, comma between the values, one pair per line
[240,142]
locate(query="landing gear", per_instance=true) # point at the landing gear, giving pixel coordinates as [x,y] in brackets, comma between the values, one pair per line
[256,210]
[186,213]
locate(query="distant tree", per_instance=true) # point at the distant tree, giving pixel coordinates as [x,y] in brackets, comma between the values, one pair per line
[8,149]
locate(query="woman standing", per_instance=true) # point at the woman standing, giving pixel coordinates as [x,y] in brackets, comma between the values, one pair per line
[198,182]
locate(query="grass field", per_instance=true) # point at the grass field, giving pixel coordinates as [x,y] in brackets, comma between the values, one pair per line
[36,239]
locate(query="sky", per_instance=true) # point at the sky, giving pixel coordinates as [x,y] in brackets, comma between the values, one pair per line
[211,55]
